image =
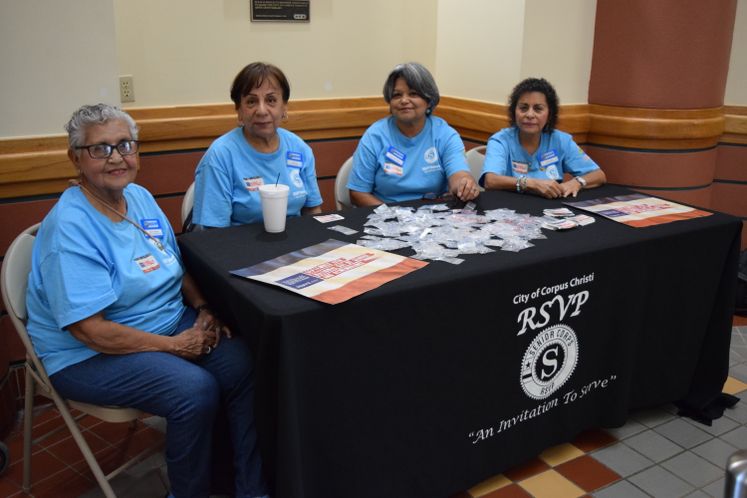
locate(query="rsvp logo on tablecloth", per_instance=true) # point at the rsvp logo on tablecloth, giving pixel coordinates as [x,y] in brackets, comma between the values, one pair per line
[551,357]
[549,361]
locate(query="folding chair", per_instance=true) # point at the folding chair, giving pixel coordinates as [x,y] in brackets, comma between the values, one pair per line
[475,159]
[14,280]
[342,194]
[187,203]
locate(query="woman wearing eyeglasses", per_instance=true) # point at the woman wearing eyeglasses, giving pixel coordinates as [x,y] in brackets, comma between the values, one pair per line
[117,321]
[410,154]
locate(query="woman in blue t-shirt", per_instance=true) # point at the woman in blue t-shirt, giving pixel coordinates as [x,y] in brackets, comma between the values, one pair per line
[116,320]
[532,156]
[410,154]
[258,152]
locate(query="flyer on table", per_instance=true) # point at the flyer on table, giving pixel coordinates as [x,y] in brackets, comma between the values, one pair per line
[332,271]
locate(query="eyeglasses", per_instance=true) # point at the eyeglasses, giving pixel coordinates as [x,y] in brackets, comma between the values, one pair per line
[104,151]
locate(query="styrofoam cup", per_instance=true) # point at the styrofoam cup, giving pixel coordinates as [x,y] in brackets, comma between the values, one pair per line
[274,206]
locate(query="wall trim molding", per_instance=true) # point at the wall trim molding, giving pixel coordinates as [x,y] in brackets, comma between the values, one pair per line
[32,166]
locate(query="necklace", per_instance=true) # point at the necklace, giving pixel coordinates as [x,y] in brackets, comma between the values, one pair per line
[124,217]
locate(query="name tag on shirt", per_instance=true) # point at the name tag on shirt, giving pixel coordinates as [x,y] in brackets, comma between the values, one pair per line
[294,159]
[147,263]
[520,168]
[395,156]
[393,169]
[152,226]
[252,184]
[548,158]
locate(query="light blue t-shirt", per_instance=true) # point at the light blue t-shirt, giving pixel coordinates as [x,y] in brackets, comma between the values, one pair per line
[83,263]
[396,168]
[228,177]
[557,154]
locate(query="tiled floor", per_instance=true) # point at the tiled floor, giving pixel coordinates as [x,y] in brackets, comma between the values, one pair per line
[655,454]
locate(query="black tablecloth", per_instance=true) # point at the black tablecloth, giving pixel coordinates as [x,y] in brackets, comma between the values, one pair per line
[453,373]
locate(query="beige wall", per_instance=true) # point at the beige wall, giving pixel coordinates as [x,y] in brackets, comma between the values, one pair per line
[485,47]
[558,42]
[54,57]
[736,83]
[190,54]
[57,55]
[478,48]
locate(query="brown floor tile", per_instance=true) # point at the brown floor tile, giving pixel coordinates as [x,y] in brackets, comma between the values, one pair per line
[510,491]
[68,451]
[739,321]
[593,440]
[528,469]
[144,440]
[114,433]
[43,465]
[8,487]
[65,484]
[587,473]
[44,413]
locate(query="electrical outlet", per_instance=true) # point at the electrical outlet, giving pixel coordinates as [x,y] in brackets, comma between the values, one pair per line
[126,89]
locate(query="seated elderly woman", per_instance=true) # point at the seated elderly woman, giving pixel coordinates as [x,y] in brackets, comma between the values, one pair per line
[410,154]
[117,321]
[258,152]
[531,155]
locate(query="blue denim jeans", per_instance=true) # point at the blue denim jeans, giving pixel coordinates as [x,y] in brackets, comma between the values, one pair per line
[188,394]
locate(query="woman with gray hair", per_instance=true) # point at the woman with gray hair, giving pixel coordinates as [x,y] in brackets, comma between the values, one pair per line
[117,321]
[410,154]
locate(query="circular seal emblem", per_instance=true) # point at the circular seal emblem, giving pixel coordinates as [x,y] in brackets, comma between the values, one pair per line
[549,361]
[431,155]
[296,178]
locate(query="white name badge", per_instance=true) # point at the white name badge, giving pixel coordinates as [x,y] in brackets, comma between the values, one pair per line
[520,168]
[294,159]
[548,158]
[147,263]
[152,226]
[396,156]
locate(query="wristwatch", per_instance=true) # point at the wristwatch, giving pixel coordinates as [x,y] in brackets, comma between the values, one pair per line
[581,180]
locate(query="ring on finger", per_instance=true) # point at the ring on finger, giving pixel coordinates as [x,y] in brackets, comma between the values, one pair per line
[209,350]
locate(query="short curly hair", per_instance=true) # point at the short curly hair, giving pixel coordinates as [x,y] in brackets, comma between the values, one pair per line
[98,114]
[542,86]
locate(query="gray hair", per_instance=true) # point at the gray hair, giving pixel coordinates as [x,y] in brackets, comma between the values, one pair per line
[89,115]
[418,78]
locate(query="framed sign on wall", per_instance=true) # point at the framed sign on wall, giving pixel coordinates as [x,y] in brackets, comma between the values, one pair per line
[280,10]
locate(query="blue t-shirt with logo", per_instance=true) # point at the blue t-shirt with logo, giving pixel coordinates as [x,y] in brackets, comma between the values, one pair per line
[396,168]
[83,263]
[228,177]
[556,154]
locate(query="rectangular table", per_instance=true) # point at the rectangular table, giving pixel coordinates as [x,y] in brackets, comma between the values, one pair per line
[452,374]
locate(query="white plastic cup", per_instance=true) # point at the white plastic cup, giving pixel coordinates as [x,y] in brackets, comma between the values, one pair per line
[274,206]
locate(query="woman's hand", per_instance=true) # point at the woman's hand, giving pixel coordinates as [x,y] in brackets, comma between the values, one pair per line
[570,188]
[549,189]
[463,186]
[194,342]
[207,321]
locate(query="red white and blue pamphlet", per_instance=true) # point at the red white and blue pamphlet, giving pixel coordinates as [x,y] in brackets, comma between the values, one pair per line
[639,210]
[333,271]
